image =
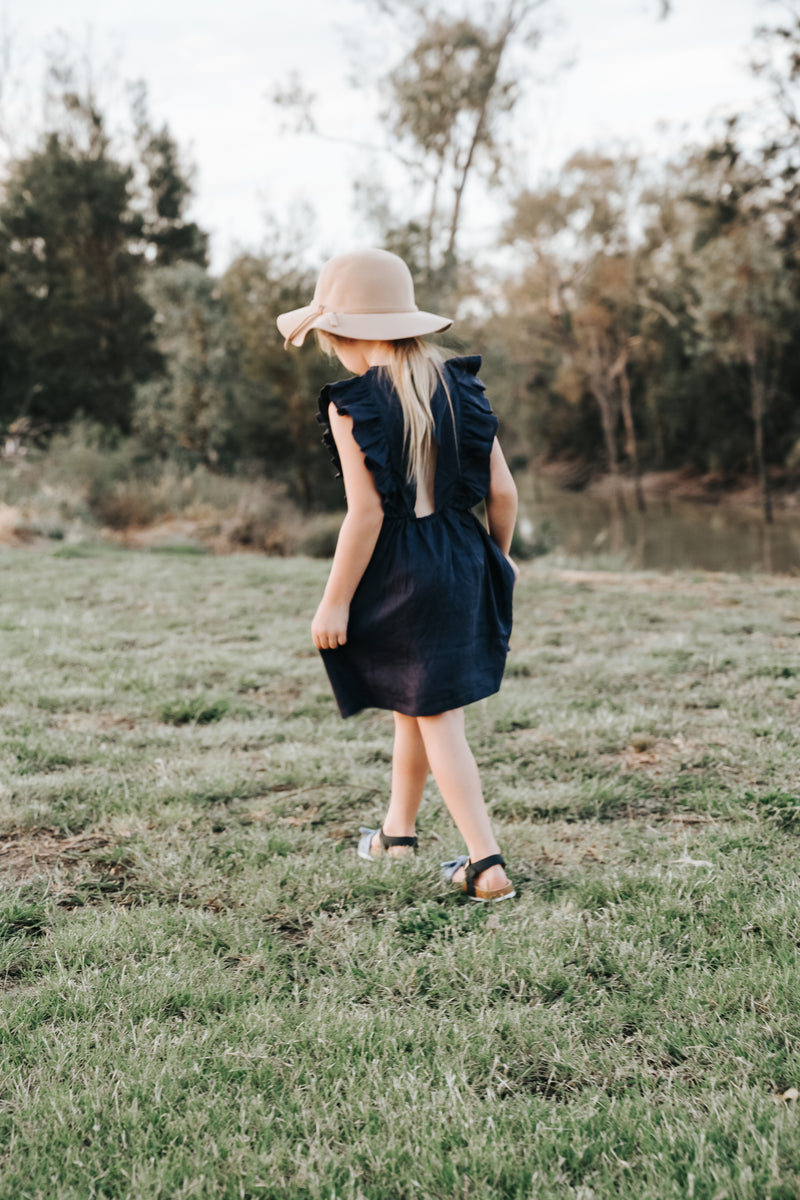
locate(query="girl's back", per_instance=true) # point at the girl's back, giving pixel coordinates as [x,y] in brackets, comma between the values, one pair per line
[458,471]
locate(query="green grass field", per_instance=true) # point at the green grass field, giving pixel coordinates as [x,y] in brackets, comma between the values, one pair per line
[205,993]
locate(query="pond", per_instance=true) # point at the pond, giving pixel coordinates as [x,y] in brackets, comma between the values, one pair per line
[669,535]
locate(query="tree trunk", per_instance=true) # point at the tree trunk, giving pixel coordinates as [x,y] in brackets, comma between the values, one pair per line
[631,447]
[608,419]
[601,385]
[434,204]
[758,406]
[757,395]
[450,253]
[500,46]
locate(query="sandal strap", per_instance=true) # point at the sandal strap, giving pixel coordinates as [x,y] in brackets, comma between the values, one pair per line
[388,840]
[474,869]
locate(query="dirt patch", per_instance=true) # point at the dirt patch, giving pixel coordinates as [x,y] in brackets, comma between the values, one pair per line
[169,532]
[657,755]
[87,869]
[26,853]
[91,722]
[677,484]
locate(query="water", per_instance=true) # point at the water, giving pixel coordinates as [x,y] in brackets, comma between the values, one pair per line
[670,535]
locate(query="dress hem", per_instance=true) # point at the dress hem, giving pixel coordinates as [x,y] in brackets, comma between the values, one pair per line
[406,709]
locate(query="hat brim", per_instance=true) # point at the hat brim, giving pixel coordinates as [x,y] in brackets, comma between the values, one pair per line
[367,327]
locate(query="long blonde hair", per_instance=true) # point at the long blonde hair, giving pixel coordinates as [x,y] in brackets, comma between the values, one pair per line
[415,370]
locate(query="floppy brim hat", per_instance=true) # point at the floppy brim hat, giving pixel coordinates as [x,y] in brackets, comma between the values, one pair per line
[367,295]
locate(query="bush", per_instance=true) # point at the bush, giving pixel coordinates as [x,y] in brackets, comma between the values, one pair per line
[88,477]
[534,542]
[265,519]
[320,536]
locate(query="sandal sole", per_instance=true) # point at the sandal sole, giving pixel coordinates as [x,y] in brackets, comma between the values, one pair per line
[489,899]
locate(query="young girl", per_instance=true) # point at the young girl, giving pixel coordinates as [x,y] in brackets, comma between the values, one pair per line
[416,614]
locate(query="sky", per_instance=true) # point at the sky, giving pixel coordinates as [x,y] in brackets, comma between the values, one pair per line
[211,68]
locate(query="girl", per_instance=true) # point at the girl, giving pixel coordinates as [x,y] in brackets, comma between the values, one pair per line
[416,614]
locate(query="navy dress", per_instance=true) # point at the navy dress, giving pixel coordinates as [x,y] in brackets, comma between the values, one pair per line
[431,617]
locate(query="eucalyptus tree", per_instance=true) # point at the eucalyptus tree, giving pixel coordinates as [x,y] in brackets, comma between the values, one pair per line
[448,102]
[776,59]
[748,307]
[459,75]
[577,233]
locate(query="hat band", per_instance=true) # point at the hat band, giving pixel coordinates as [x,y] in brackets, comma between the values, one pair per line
[320,309]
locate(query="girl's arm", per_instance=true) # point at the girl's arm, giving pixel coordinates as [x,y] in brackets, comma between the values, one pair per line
[501,502]
[357,537]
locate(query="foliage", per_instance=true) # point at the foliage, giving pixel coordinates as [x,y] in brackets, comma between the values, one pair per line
[638,316]
[88,477]
[447,100]
[277,390]
[194,404]
[167,192]
[676,328]
[75,328]
[747,304]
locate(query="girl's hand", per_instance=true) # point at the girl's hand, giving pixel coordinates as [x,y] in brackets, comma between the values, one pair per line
[514,566]
[329,627]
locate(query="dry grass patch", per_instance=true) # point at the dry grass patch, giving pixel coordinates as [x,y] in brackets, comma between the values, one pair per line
[26,854]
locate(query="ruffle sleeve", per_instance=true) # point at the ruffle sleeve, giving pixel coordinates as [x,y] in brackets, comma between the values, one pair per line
[354,398]
[478,427]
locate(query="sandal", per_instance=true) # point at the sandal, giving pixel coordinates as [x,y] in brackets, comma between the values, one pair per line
[472,871]
[386,840]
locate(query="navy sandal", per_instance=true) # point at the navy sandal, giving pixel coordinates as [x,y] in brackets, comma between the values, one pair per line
[386,840]
[472,871]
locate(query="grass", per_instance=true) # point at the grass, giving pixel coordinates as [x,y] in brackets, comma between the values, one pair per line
[204,993]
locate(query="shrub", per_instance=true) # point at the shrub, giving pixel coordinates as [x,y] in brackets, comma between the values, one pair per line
[265,519]
[320,535]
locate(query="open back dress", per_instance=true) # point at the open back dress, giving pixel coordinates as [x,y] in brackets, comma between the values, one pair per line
[431,617]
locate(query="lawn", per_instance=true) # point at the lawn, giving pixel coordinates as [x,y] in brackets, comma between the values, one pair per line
[205,993]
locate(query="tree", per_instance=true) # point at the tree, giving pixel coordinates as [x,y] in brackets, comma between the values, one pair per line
[76,330]
[747,305]
[578,233]
[276,398]
[194,403]
[167,188]
[79,228]
[447,103]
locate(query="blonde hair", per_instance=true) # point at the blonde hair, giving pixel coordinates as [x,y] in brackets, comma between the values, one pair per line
[415,370]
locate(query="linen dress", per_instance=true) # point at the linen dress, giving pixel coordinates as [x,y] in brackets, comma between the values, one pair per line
[431,616]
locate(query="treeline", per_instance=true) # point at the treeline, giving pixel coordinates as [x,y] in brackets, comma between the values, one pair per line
[648,319]
[109,315]
[654,323]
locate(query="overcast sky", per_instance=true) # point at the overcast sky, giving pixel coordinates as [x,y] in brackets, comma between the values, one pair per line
[210,68]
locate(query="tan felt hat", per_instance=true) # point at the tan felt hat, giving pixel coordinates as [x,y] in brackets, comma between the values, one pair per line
[367,295]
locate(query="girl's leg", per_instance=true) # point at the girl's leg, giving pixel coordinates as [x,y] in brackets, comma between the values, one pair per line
[456,772]
[409,772]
